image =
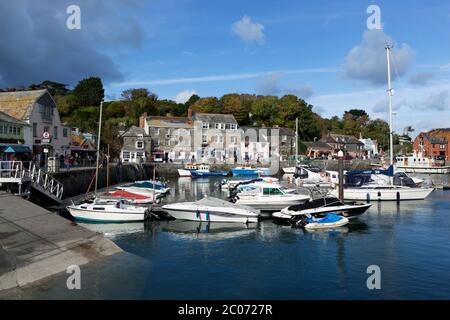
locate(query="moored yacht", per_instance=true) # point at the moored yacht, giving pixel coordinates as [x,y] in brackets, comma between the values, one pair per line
[104,210]
[211,209]
[266,196]
[321,206]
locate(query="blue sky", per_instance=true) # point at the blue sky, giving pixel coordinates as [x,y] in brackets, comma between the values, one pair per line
[320,50]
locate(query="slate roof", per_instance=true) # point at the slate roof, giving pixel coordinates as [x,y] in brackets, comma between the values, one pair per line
[133,131]
[19,104]
[7,118]
[215,118]
[173,122]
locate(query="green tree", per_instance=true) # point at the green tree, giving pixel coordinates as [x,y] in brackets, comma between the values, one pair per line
[54,88]
[88,92]
[193,99]
[265,110]
[208,105]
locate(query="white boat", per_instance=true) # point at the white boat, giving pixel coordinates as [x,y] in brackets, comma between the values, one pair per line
[306,175]
[211,209]
[266,196]
[384,193]
[108,211]
[321,206]
[152,194]
[417,163]
[289,170]
[231,183]
[186,172]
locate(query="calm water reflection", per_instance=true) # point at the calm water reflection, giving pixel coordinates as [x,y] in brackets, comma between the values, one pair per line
[182,260]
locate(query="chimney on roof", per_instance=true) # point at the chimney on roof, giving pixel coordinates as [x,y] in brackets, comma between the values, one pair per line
[190,113]
[142,120]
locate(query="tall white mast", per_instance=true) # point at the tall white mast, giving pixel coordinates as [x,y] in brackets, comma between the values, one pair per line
[390,94]
[296,140]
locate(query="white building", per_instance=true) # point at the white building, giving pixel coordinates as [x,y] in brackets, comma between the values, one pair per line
[38,109]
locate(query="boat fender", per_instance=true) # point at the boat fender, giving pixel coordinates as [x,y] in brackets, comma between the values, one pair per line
[197,214]
[207,215]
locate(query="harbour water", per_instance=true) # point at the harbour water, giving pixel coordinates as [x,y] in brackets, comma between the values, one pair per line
[189,260]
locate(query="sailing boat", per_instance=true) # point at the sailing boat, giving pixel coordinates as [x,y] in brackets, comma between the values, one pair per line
[385,190]
[103,209]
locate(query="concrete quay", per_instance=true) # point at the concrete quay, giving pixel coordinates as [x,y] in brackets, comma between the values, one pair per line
[36,243]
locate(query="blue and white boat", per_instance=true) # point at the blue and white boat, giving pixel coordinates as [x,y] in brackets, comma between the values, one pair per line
[203,171]
[249,171]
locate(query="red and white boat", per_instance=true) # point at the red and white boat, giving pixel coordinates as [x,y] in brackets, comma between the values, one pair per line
[132,197]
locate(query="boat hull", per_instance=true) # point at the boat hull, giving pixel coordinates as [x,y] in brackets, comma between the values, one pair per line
[208,174]
[106,216]
[244,172]
[184,173]
[426,170]
[213,216]
[270,205]
[369,194]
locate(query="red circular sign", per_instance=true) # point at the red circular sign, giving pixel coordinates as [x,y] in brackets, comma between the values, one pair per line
[46,135]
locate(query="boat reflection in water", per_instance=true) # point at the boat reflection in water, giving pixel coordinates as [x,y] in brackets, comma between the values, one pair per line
[113,230]
[189,230]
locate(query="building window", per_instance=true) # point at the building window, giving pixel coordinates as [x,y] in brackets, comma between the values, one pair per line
[157,132]
[126,155]
[139,144]
[220,126]
[233,126]
[55,133]
[284,138]
[34,130]
[45,129]
[233,140]
[205,125]
[140,136]
[204,139]
[1,129]
[65,132]
[220,139]
[157,142]
[18,131]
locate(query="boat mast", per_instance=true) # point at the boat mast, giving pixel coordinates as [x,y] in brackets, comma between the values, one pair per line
[98,146]
[390,94]
[296,141]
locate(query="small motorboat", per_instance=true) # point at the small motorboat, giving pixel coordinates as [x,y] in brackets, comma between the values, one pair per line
[231,183]
[211,209]
[104,210]
[249,171]
[321,206]
[186,172]
[265,196]
[158,186]
[289,170]
[329,221]
[153,194]
[203,171]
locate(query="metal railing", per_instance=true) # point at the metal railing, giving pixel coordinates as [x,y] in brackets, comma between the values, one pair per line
[45,182]
[11,170]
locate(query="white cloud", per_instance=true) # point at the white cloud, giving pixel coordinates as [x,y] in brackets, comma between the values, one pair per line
[226,77]
[184,96]
[421,78]
[248,30]
[445,67]
[420,107]
[188,53]
[438,101]
[367,61]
